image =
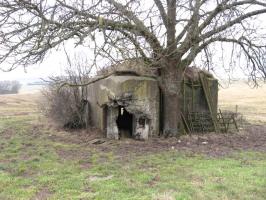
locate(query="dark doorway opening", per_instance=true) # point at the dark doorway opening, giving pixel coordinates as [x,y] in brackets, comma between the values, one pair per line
[105,113]
[124,123]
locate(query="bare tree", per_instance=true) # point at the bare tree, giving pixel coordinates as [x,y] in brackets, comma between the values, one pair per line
[167,34]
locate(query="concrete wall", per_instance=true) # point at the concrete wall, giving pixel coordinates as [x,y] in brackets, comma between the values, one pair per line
[140,97]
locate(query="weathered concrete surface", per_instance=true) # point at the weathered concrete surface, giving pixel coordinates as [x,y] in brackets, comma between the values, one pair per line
[131,89]
[138,95]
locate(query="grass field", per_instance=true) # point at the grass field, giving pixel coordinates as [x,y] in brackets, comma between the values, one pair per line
[39,161]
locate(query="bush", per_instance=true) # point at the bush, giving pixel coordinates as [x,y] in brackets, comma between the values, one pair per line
[67,106]
[9,87]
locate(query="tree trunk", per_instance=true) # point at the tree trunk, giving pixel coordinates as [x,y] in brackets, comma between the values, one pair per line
[171,82]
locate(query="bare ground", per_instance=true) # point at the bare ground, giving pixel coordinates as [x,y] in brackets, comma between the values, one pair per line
[214,145]
[253,138]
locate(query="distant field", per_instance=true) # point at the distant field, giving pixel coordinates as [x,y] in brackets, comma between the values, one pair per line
[251,102]
[30,88]
[39,161]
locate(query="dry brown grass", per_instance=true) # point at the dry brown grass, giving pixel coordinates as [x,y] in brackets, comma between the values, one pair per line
[251,102]
[18,104]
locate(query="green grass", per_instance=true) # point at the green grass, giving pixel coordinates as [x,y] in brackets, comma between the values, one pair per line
[30,164]
[34,165]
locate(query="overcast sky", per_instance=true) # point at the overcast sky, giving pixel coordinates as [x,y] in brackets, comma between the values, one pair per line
[52,65]
[55,62]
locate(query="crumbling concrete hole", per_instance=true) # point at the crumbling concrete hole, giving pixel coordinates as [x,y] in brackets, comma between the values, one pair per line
[125,119]
[124,123]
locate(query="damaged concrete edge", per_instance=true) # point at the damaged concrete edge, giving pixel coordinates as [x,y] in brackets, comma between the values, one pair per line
[138,96]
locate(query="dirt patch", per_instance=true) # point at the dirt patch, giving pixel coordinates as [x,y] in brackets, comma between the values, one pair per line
[2,103]
[7,133]
[43,194]
[100,178]
[72,154]
[213,144]
[253,138]
[57,134]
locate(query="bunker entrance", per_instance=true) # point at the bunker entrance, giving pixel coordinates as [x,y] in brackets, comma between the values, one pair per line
[124,123]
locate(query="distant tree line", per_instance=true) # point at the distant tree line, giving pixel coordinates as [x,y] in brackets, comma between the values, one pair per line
[9,87]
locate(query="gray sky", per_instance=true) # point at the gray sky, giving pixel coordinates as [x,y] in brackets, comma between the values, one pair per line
[41,71]
[53,64]
[55,61]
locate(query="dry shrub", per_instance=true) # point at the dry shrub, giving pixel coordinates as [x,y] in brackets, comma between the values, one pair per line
[65,106]
[68,106]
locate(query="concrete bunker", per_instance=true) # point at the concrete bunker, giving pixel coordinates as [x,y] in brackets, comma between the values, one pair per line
[126,104]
